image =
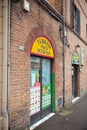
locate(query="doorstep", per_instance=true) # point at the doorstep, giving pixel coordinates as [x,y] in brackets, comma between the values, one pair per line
[41,121]
[75,99]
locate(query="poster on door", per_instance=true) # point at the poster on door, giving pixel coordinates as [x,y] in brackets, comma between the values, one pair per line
[46,96]
[34,93]
[46,86]
[34,100]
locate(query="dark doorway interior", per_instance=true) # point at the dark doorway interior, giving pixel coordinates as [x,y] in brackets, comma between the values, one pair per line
[75,80]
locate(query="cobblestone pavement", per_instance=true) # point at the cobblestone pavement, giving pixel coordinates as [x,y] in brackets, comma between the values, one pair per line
[71,118]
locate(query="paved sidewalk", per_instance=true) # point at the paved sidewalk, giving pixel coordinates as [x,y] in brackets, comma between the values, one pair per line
[72,118]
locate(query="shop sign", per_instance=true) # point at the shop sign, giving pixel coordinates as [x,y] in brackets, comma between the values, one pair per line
[75,58]
[42,46]
[82,56]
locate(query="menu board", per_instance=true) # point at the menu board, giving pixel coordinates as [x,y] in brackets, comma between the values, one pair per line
[34,99]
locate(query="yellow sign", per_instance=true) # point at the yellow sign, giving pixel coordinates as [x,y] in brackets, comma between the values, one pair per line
[42,47]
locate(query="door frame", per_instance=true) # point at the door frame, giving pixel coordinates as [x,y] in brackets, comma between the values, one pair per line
[76,77]
[53,93]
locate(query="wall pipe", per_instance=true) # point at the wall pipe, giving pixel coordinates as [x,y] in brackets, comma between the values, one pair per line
[8,61]
[4,88]
[64,42]
[63,53]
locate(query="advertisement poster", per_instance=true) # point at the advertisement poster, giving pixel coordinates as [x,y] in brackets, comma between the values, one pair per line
[34,92]
[46,86]
[34,100]
[46,96]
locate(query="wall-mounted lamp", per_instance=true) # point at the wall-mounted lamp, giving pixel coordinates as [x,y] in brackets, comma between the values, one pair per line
[77,46]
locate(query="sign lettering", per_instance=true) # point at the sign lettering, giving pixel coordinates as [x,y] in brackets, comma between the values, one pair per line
[42,47]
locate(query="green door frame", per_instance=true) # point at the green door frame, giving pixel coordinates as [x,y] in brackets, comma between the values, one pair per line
[53,93]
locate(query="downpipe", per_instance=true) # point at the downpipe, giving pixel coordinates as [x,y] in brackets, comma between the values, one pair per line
[8,62]
[4,87]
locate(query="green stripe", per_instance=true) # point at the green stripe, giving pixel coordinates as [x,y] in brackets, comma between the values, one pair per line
[53,93]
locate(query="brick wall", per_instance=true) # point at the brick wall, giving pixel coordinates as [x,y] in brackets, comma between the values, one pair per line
[68,65]
[83,8]
[25,29]
[19,72]
[23,32]
[57,4]
[81,5]
[73,40]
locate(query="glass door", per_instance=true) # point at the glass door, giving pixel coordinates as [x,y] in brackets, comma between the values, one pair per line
[35,90]
[40,89]
[46,86]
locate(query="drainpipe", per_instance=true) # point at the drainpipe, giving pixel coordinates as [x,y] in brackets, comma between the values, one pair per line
[8,62]
[64,42]
[63,68]
[4,88]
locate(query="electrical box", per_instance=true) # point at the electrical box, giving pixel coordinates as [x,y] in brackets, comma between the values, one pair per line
[26,5]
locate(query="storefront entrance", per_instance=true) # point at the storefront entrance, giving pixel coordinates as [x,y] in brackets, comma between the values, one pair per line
[75,80]
[40,89]
[75,75]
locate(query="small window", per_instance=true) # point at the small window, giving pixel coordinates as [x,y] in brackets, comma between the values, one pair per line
[75,18]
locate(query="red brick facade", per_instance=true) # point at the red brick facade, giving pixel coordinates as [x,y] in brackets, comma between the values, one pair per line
[57,4]
[24,32]
[25,28]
